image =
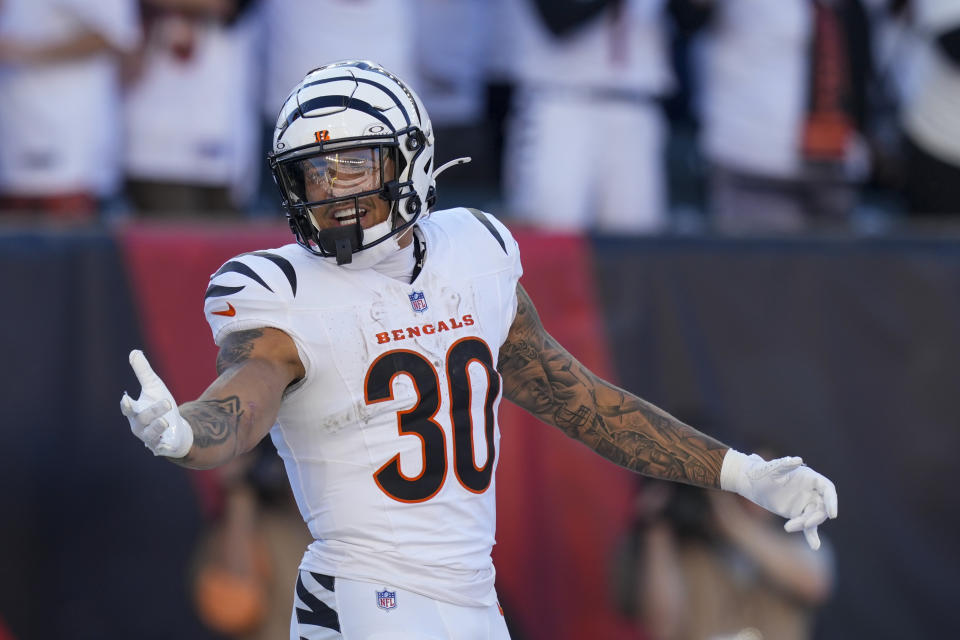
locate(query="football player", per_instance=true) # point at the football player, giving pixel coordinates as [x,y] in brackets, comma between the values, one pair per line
[375,351]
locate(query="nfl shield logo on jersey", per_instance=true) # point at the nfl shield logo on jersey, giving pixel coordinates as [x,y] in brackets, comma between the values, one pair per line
[387,600]
[418,301]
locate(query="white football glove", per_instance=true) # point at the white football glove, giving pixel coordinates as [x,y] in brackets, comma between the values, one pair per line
[154,417]
[784,486]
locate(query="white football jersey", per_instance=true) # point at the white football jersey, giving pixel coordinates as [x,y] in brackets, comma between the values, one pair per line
[391,439]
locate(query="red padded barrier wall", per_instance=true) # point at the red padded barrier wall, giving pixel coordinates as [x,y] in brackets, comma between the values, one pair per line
[169,266]
[5,633]
[560,507]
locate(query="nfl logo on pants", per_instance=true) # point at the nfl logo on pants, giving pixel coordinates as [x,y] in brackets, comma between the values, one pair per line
[387,600]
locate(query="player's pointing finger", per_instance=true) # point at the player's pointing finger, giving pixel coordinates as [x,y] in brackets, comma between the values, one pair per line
[142,368]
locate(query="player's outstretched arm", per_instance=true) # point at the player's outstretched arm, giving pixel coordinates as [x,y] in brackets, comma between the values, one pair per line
[543,378]
[231,416]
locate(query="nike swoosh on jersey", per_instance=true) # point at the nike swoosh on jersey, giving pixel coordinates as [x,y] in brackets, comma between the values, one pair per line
[229,311]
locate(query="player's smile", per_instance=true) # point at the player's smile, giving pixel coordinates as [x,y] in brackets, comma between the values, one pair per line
[366,212]
[349,215]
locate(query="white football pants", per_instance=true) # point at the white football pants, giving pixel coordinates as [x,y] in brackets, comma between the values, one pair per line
[326,608]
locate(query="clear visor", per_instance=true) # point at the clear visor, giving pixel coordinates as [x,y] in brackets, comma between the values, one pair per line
[338,174]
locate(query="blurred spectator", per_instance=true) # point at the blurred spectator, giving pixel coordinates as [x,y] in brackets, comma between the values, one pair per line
[249,556]
[451,47]
[59,78]
[783,108]
[499,80]
[191,111]
[449,50]
[304,34]
[931,114]
[585,146]
[702,564]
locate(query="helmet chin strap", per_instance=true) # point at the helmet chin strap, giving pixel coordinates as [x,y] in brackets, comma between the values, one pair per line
[345,241]
[341,241]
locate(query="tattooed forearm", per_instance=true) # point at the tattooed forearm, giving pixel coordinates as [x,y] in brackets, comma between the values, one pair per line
[215,423]
[236,348]
[543,378]
[238,408]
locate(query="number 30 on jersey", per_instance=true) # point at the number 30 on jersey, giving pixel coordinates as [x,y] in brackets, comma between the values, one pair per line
[420,420]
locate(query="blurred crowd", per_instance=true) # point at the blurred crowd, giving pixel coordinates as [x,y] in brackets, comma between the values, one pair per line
[697,564]
[621,116]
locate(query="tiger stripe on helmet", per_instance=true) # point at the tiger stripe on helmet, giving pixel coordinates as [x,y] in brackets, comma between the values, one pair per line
[344,101]
[350,102]
[389,93]
[364,65]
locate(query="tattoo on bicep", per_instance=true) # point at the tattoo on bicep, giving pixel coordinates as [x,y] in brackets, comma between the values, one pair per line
[237,348]
[540,376]
[214,422]
[520,348]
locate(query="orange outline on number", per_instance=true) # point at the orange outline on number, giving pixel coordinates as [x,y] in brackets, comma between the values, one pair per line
[400,431]
[453,429]
[490,441]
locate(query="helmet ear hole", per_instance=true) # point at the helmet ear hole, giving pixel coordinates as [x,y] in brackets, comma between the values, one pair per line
[413,205]
[414,140]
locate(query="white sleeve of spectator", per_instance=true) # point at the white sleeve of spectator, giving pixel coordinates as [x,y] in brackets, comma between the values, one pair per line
[116,20]
[938,15]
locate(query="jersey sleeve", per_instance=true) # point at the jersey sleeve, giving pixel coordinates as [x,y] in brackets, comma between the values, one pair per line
[498,233]
[250,291]
[507,250]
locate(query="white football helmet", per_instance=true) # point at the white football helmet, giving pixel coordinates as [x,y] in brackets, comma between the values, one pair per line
[373,121]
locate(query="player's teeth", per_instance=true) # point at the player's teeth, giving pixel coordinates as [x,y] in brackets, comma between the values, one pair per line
[350,216]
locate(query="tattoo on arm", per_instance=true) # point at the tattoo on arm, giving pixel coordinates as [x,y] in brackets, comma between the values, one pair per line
[540,376]
[236,348]
[241,405]
[215,422]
